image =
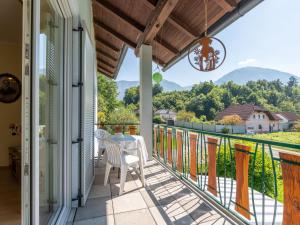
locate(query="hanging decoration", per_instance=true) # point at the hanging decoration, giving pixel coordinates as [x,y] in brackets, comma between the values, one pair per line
[209,53]
[157,76]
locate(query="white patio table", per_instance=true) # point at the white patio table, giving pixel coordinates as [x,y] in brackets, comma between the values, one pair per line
[129,143]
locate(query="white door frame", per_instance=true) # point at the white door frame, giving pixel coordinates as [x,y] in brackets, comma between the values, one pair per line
[30,113]
[26,112]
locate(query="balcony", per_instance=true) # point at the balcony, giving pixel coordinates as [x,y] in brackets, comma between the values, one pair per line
[199,177]
[165,200]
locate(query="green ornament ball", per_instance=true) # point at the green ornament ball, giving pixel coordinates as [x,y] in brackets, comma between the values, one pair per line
[157,77]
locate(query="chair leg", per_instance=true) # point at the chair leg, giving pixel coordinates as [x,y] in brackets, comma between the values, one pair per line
[98,160]
[123,178]
[107,170]
[142,173]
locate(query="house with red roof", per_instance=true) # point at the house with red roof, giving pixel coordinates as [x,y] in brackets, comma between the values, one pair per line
[255,118]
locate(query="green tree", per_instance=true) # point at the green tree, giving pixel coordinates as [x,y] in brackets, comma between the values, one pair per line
[107,96]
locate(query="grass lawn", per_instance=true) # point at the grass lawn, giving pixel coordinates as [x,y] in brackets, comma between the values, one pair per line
[287,137]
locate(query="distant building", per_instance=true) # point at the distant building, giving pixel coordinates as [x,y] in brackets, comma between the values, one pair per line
[255,118]
[287,119]
[166,114]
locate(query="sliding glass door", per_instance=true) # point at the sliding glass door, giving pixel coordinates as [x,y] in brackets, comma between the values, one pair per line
[50,113]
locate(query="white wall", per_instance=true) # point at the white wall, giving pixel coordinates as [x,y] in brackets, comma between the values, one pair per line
[255,122]
[10,62]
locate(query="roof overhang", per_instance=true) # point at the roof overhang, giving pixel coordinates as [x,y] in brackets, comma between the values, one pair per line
[170,26]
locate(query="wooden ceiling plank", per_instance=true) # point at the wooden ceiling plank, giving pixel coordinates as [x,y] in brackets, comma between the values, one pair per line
[174,21]
[158,60]
[105,63]
[158,17]
[105,69]
[121,15]
[114,33]
[180,26]
[108,45]
[166,46]
[104,72]
[103,53]
[227,5]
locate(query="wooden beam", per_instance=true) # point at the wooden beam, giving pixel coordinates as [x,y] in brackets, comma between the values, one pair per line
[159,61]
[105,63]
[227,5]
[158,17]
[166,46]
[120,14]
[103,53]
[114,33]
[105,69]
[108,45]
[182,27]
[173,21]
[106,73]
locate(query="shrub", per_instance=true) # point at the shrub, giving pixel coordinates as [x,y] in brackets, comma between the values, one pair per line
[123,116]
[296,126]
[186,116]
[225,130]
[231,120]
[157,119]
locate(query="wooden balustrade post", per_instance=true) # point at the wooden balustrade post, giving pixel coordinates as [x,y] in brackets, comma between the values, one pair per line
[179,138]
[242,158]
[212,166]
[193,156]
[161,143]
[169,145]
[154,141]
[291,188]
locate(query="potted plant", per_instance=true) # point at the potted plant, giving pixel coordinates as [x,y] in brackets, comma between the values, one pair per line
[121,117]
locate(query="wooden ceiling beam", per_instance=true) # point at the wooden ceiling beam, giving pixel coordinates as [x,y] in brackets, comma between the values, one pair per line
[158,17]
[166,46]
[105,63]
[114,33]
[108,45]
[121,15]
[227,5]
[104,54]
[158,60]
[105,69]
[106,73]
[175,22]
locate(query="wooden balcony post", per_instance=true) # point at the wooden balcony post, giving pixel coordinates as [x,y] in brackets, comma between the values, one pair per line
[242,158]
[169,144]
[179,138]
[291,188]
[161,143]
[154,141]
[193,156]
[212,167]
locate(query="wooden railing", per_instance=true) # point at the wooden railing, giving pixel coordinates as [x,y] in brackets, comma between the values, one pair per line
[257,181]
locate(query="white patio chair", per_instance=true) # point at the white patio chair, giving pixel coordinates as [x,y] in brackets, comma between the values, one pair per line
[101,135]
[116,157]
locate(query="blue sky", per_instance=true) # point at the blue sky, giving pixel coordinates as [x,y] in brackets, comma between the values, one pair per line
[268,36]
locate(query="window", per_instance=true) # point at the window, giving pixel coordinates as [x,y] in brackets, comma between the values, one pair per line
[263,116]
[254,116]
[50,112]
[258,116]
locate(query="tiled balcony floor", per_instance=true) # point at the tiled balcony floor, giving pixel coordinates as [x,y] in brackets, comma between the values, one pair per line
[165,200]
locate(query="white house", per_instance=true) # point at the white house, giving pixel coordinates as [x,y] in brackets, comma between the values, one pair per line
[166,114]
[255,118]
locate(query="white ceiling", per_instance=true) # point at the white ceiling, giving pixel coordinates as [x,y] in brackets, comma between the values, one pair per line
[10,21]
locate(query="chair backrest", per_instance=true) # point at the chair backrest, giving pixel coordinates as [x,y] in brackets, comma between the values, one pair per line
[101,134]
[113,152]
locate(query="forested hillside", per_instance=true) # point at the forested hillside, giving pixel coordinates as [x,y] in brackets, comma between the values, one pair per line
[207,99]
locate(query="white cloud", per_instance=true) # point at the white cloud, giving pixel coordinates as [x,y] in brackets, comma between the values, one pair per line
[246,62]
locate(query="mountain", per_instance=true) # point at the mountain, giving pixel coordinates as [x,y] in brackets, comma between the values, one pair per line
[167,86]
[243,75]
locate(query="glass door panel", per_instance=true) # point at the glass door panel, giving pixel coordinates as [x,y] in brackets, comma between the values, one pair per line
[50,112]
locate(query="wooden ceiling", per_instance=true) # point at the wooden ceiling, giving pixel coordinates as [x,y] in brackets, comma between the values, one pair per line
[170,26]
